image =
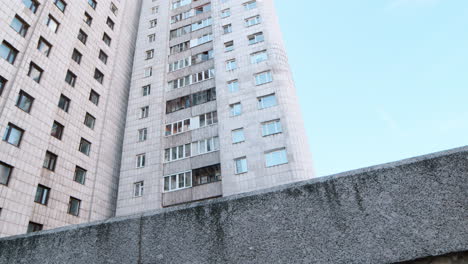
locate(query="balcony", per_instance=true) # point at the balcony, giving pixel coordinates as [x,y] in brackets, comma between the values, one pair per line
[196,193]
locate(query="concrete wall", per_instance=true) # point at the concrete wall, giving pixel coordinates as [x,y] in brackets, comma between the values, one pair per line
[390,213]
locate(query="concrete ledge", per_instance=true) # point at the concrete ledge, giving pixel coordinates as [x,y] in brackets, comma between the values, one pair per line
[389,213]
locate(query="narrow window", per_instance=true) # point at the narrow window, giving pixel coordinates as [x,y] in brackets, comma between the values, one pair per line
[142,134]
[70,78]
[76,56]
[141,161]
[13,135]
[80,175]
[52,23]
[85,146]
[238,136]
[50,161]
[98,76]
[24,101]
[83,37]
[35,72]
[89,121]
[138,189]
[110,23]
[146,90]
[149,54]
[64,103]
[5,173]
[92,3]
[88,19]
[42,195]
[74,206]
[106,39]
[144,112]
[3,83]
[44,46]
[153,23]
[241,165]
[103,56]
[94,97]
[114,9]
[8,52]
[57,130]
[20,26]
[231,65]
[236,109]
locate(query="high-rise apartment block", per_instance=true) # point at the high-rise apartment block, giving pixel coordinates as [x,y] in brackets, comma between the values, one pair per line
[115,107]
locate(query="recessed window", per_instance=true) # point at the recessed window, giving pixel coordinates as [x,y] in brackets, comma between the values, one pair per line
[271,128]
[251,21]
[98,76]
[141,161]
[153,23]
[70,78]
[229,46]
[241,165]
[92,3]
[20,26]
[42,194]
[3,83]
[34,227]
[236,109]
[151,38]
[238,136]
[250,5]
[266,101]
[138,188]
[103,56]
[50,161]
[88,19]
[85,146]
[142,134]
[146,90]
[35,72]
[256,38]
[80,175]
[52,23]
[276,157]
[258,57]
[227,29]
[64,103]
[226,13]
[110,23]
[114,9]
[149,54]
[44,46]
[144,112]
[231,65]
[24,101]
[74,206]
[148,72]
[83,37]
[13,135]
[5,173]
[89,121]
[263,78]
[8,52]
[57,130]
[31,4]
[76,56]
[106,39]
[154,9]
[94,97]
[233,86]
[60,4]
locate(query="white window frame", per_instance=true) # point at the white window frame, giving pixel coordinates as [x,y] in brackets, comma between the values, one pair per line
[280,154]
[259,56]
[187,183]
[238,136]
[140,161]
[241,166]
[138,189]
[261,104]
[272,127]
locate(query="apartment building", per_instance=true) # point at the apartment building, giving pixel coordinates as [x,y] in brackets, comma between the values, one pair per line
[212,106]
[65,68]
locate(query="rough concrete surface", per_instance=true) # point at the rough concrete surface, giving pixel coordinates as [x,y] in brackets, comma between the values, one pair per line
[390,213]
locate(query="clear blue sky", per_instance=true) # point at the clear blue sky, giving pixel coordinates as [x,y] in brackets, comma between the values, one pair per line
[378,80]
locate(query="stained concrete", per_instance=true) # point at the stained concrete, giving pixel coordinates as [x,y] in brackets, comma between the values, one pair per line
[389,213]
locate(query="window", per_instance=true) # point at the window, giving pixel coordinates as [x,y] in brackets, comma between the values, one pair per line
[140,160]
[179,3]
[226,13]
[153,23]
[80,175]
[44,47]
[148,72]
[110,23]
[177,153]
[208,119]
[201,40]
[266,101]
[256,38]
[19,25]
[94,97]
[92,3]
[201,57]
[35,72]
[178,181]
[138,188]
[85,146]
[106,39]
[89,121]
[42,195]
[74,206]
[50,161]
[144,111]
[64,103]
[5,173]
[70,78]
[151,38]
[252,21]
[76,56]
[177,127]
[229,46]
[98,76]
[190,100]
[276,157]
[82,36]
[31,4]
[57,130]
[201,24]
[24,101]
[8,52]
[103,56]
[34,227]
[250,5]
[241,165]
[61,5]
[233,86]
[236,109]
[206,175]
[227,29]
[149,54]
[154,10]
[271,128]
[258,57]
[13,135]
[180,47]
[238,136]
[88,19]
[202,9]
[231,65]
[3,82]
[52,23]
[146,90]
[263,78]
[142,134]
[114,9]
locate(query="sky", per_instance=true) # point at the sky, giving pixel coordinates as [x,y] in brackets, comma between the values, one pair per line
[378,80]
